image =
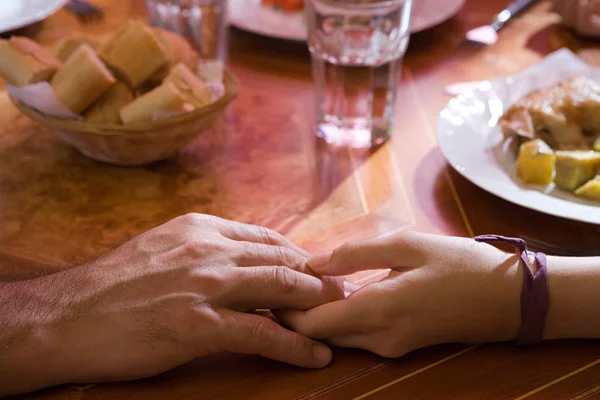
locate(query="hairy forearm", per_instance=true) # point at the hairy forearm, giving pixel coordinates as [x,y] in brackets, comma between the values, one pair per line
[574,289]
[29,335]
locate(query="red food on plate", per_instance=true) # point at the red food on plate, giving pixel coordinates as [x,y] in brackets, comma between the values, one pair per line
[287,5]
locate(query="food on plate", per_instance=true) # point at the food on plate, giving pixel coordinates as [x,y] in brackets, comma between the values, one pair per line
[590,190]
[190,86]
[23,61]
[535,163]
[179,51]
[159,102]
[566,116]
[574,168]
[134,53]
[64,48]
[106,109]
[287,5]
[558,129]
[81,80]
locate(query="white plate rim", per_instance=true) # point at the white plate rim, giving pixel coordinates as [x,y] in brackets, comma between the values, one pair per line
[38,15]
[528,197]
[293,17]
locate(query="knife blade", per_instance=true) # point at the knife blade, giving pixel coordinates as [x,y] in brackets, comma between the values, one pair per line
[488,34]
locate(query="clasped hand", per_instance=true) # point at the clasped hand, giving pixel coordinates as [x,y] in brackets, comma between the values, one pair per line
[187,289]
[190,287]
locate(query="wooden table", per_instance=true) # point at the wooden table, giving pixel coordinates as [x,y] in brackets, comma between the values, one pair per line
[261,164]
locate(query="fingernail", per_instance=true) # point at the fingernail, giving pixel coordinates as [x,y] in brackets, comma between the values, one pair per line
[320,260]
[350,288]
[321,354]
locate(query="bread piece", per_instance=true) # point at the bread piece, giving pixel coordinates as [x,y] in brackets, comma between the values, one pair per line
[192,87]
[179,50]
[164,99]
[64,48]
[81,80]
[23,61]
[134,53]
[106,109]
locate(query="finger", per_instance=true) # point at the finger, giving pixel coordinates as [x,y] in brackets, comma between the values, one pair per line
[402,249]
[278,287]
[355,341]
[258,254]
[256,234]
[251,334]
[339,318]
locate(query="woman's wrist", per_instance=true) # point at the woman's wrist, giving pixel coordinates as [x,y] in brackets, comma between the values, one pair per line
[507,297]
[574,300]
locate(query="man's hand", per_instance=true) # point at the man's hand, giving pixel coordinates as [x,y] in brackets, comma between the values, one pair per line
[177,292]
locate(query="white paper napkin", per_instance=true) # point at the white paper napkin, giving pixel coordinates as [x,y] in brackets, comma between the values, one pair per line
[551,62]
[41,97]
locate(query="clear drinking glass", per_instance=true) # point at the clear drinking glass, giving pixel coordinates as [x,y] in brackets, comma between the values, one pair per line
[202,22]
[357,48]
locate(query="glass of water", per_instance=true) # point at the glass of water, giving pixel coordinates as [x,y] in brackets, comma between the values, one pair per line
[202,22]
[357,48]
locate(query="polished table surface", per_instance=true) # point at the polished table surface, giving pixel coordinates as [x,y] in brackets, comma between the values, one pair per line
[261,164]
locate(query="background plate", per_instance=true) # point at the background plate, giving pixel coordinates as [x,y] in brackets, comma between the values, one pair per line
[252,16]
[16,14]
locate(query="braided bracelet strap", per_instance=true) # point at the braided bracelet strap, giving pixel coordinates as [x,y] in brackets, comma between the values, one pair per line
[534,293]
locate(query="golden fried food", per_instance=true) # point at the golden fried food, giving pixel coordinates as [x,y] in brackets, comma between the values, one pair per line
[590,190]
[574,168]
[566,116]
[535,163]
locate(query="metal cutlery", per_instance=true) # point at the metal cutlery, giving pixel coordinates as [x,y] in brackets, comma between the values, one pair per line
[488,34]
[84,10]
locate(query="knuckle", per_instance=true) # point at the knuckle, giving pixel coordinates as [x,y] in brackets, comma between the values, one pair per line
[295,343]
[268,236]
[211,281]
[347,250]
[286,279]
[262,331]
[192,218]
[205,246]
[286,257]
[387,349]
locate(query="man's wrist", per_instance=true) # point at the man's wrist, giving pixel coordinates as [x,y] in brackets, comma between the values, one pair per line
[30,354]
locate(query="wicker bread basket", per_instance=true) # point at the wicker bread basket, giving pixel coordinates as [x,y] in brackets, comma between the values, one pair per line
[141,143]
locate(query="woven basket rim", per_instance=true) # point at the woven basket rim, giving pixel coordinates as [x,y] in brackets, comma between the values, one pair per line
[230,82]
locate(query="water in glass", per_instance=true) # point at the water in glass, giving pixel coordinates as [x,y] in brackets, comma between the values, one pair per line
[202,22]
[357,48]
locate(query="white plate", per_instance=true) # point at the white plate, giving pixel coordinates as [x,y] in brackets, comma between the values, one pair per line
[16,14]
[471,140]
[252,16]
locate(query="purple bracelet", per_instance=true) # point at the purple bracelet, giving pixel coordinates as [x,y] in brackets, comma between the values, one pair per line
[534,294]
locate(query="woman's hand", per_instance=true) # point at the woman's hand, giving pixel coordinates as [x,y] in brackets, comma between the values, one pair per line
[439,290]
